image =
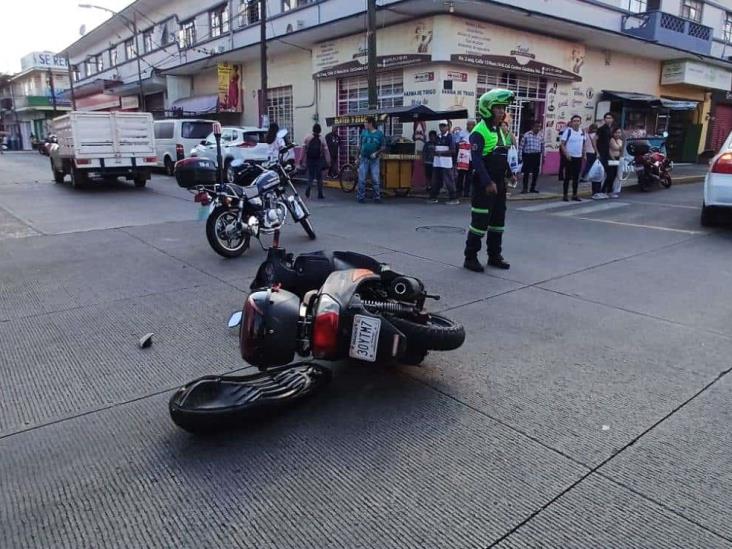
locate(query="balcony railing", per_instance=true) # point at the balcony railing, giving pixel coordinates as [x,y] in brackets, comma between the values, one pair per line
[669,30]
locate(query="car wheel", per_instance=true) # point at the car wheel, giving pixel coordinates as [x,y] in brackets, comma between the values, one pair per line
[707,216]
[169,166]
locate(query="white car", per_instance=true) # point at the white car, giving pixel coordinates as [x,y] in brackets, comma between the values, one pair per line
[237,143]
[173,138]
[718,185]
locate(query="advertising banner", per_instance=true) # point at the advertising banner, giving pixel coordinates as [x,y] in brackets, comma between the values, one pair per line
[229,88]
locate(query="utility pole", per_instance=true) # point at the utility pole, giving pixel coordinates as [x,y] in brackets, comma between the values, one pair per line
[371,35]
[53,90]
[263,53]
[71,82]
[141,102]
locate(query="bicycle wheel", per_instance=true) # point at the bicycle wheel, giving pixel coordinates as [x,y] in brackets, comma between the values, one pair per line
[348,177]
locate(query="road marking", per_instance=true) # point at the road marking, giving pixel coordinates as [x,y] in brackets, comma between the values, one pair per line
[546,206]
[654,227]
[594,208]
[665,205]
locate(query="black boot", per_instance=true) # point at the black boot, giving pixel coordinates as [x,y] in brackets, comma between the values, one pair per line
[472,264]
[498,262]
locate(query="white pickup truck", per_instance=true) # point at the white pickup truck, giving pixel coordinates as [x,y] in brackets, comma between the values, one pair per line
[106,145]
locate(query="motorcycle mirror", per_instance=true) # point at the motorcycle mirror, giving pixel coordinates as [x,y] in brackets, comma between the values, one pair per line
[235,320]
[217,128]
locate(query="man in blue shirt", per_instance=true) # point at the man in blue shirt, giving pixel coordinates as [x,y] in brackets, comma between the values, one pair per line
[372,146]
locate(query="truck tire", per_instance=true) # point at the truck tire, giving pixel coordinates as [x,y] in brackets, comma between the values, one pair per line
[169,166]
[79,179]
[140,180]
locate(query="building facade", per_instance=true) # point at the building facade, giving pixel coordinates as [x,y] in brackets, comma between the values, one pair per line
[30,99]
[660,65]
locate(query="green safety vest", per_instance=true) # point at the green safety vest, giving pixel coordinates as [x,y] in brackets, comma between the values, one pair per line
[490,137]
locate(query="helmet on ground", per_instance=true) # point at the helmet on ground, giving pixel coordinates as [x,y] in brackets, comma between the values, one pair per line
[269,332]
[492,98]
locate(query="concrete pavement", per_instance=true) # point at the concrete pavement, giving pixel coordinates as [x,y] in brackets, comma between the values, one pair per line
[589,406]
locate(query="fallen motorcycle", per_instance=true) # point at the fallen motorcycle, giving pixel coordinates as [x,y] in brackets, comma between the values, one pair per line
[362,310]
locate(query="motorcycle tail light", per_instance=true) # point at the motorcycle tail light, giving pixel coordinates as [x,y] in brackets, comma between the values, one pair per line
[723,164]
[202,198]
[325,328]
[180,152]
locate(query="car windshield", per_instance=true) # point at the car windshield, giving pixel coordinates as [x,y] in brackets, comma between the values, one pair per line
[196,130]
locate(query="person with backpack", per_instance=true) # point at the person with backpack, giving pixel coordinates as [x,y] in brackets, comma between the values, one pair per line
[573,149]
[316,157]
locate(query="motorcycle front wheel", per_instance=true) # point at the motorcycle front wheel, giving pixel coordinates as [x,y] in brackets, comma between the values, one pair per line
[225,243]
[437,334]
[308,227]
[666,181]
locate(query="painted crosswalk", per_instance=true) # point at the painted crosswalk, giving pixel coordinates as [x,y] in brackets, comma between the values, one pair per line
[573,208]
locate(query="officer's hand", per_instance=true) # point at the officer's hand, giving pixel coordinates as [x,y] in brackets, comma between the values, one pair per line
[491,189]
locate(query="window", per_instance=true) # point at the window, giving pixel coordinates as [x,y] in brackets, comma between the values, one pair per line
[164,130]
[113,57]
[219,20]
[728,28]
[188,34]
[100,63]
[527,88]
[692,10]
[642,6]
[196,130]
[76,73]
[147,41]
[353,95]
[90,66]
[130,50]
[248,12]
[279,107]
[288,5]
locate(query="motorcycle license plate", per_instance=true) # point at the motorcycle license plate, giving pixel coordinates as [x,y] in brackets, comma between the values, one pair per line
[365,338]
[204,212]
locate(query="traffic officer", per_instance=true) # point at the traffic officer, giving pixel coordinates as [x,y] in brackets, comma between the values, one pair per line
[489,150]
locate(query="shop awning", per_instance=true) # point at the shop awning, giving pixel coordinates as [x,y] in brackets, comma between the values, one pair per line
[412,113]
[201,104]
[153,84]
[652,100]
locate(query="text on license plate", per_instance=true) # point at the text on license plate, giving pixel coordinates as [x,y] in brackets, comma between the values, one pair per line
[365,338]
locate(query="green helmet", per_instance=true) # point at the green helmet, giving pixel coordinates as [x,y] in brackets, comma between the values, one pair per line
[492,98]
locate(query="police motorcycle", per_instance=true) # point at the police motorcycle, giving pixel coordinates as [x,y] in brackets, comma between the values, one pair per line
[257,203]
[363,311]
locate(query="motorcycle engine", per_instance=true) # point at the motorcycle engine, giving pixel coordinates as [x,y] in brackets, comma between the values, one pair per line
[275,214]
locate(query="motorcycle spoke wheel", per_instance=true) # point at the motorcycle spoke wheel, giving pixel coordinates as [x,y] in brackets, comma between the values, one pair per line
[225,244]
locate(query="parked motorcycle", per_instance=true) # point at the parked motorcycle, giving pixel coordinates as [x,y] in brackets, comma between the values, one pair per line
[369,313]
[652,166]
[239,212]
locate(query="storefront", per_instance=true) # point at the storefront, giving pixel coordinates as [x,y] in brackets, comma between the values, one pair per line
[721,122]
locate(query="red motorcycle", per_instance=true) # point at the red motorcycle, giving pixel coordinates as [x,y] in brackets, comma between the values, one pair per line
[652,166]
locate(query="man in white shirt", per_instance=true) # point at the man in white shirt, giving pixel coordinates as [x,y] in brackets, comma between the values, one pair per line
[573,150]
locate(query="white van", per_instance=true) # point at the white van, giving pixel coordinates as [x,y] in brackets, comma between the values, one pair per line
[175,138]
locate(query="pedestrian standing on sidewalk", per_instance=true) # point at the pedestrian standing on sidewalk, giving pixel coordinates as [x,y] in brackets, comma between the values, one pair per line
[372,145]
[333,142]
[590,152]
[442,167]
[490,160]
[315,159]
[428,155]
[613,163]
[530,151]
[604,134]
[573,149]
[464,162]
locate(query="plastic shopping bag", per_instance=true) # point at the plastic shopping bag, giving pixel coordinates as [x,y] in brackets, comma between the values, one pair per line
[617,185]
[596,173]
[513,160]
[463,157]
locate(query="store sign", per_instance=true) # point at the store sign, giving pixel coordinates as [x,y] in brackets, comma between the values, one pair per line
[696,74]
[489,46]
[424,76]
[43,60]
[229,87]
[397,46]
[457,76]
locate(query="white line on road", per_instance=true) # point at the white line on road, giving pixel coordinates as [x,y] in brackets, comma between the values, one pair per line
[654,227]
[594,208]
[546,206]
[665,205]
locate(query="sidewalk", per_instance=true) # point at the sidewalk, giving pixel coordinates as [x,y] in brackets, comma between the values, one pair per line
[550,187]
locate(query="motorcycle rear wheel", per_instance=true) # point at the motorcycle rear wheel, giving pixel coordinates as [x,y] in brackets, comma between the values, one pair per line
[215,223]
[438,333]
